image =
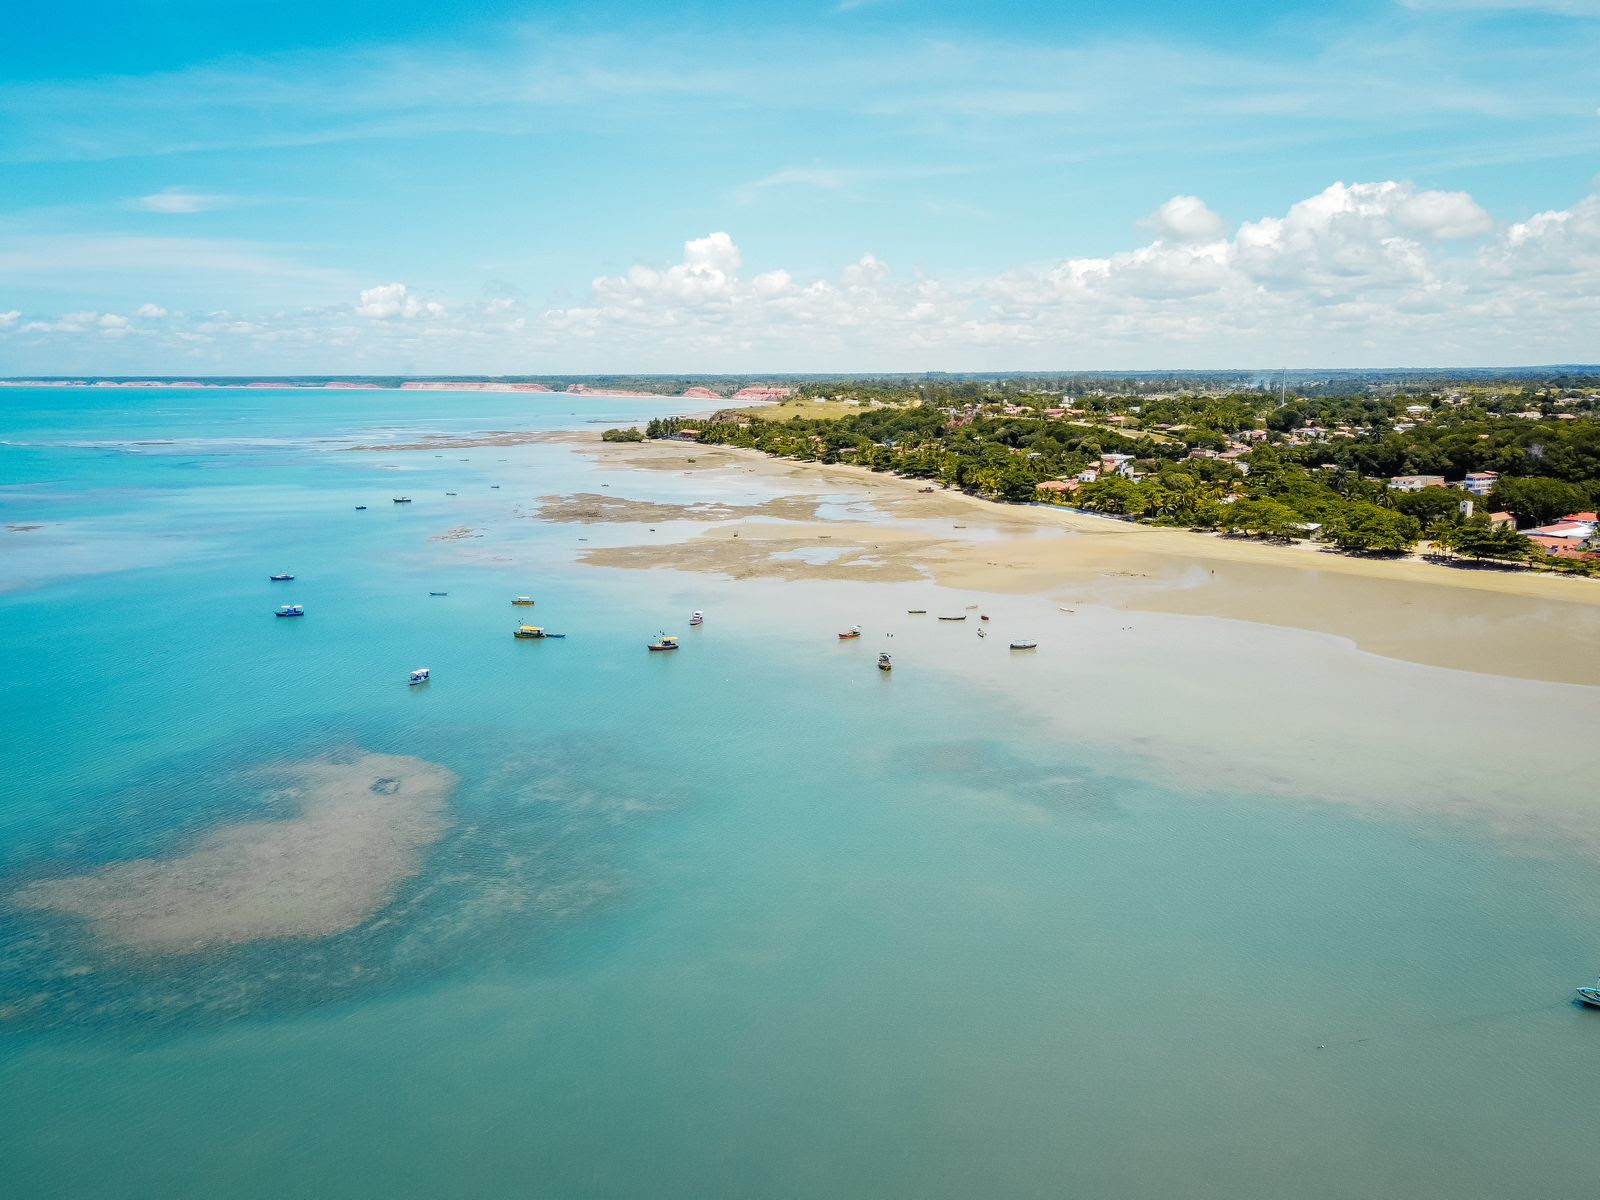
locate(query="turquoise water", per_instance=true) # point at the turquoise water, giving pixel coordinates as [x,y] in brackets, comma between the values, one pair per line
[748,920]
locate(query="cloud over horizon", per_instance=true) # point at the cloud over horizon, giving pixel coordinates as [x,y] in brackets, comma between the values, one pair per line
[1363,273]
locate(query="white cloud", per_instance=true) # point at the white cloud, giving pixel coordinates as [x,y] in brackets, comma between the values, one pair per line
[1186,219]
[1444,215]
[389,300]
[174,201]
[1366,273]
[151,312]
[1359,273]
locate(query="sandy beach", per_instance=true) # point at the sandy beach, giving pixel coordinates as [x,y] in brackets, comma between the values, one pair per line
[1513,623]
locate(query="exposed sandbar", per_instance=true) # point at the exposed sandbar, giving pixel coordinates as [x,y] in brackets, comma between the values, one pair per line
[1512,623]
[356,828]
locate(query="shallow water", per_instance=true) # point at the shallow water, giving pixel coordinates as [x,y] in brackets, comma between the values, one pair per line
[1190,908]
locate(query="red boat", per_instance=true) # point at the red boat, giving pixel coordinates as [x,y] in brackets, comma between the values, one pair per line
[854,633]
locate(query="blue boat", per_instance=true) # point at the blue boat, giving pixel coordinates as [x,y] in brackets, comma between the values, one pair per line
[290,610]
[1590,996]
[280,578]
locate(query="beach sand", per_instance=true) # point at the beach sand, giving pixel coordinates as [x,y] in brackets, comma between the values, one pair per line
[357,830]
[1514,623]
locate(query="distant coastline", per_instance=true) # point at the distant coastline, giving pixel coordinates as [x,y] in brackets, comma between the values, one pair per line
[746,393]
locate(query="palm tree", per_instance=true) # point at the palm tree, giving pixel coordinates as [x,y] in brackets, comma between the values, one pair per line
[1445,537]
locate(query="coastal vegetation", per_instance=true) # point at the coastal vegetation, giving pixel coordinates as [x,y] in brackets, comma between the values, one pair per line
[1377,470]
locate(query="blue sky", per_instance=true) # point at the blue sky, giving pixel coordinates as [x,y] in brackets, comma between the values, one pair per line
[201,186]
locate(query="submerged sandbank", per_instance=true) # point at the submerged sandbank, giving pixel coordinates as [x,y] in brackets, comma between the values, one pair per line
[355,829]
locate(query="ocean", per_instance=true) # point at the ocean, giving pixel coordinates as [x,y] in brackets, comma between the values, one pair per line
[1174,907]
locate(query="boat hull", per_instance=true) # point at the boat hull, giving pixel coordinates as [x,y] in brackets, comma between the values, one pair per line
[1589,997]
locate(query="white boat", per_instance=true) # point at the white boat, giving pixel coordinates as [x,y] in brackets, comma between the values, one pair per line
[420,675]
[1590,995]
[698,618]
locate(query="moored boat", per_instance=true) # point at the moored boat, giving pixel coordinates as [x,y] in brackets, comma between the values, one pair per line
[290,610]
[438,593]
[885,663]
[420,675]
[523,600]
[534,633]
[280,578]
[402,499]
[1590,995]
[361,508]
[962,617]
[917,612]
[663,642]
[1024,645]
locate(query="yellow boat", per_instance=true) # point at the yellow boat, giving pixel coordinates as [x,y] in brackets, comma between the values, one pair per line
[527,631]
[527,600]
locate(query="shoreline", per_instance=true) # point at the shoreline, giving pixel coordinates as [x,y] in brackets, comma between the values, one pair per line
[1515,624]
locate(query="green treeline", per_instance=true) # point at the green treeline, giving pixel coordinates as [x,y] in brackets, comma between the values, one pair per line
[1289,467]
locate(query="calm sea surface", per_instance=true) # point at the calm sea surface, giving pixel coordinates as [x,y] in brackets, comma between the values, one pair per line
[751,920]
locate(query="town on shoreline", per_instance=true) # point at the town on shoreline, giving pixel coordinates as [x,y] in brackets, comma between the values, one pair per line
[1504,472]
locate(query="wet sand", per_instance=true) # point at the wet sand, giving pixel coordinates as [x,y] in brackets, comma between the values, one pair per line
[1513,623]
[357,828]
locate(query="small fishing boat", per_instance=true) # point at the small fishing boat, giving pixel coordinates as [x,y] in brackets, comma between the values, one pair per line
[1023,645]
[699,618]
[449,493]
[853,632]
[525,601]
[982,632]
[884,663]
[534,633]
[1590,995]
[495,487]
[438,593]
[420,675]
[917,612]
[280,578]
[983,616]
[962,617]
[663,642]
[402,499]
[290,610]
[361,508]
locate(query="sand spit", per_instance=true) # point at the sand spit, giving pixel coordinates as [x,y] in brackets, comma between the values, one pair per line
[773,551]
[1517,624]
[588,508]
[355,829]
[450,441]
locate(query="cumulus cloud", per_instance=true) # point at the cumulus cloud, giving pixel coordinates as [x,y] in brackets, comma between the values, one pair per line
[390,300]
[1357,274]
[180,201]
[151,312]
[1444,215]
[1186,219]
